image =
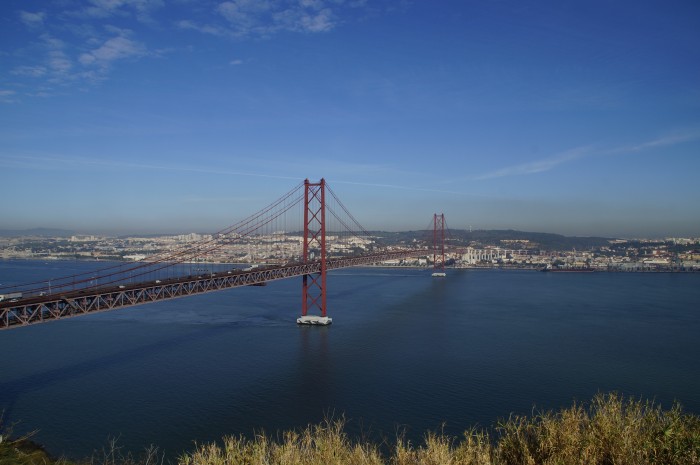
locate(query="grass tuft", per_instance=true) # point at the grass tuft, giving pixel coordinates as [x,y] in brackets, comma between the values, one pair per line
[323,444]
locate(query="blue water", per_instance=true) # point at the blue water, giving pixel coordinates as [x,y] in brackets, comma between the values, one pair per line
[405,352]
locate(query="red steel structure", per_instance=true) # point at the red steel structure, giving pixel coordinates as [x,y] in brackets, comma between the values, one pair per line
[28,311]
[314,285]
[439,242]
[128,284]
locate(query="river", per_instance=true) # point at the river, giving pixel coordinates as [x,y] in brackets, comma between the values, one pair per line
[406,352]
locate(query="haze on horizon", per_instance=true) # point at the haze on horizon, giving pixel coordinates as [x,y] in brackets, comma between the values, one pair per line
[138,116]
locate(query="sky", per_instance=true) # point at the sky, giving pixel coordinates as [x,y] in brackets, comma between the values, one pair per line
[135,116]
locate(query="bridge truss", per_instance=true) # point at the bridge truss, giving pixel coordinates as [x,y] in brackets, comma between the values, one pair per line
[114,288]
[76,303]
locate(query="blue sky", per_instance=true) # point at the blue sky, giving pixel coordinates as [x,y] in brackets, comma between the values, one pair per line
[575,117]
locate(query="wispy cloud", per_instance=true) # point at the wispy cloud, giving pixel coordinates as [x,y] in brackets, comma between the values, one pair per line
[400,187]
[664,141]
[537,166]
[264,18]
[59,62]
[32,20]
[245,15]
[77,42]
[31,71]
[7,96]
[210,29]
[140,9]
[255,17]
[115,48]
[210,200]
[74,44]
[547,164]
[305,20]
[62,162]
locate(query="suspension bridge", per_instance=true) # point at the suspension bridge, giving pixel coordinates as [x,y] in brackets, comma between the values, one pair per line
[329,237]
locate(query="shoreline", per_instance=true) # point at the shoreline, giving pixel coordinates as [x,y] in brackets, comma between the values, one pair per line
[640,269]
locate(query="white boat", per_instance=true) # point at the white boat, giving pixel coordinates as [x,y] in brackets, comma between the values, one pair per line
[439,274]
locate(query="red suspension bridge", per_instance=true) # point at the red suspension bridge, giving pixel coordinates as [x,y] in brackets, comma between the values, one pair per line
[329,237]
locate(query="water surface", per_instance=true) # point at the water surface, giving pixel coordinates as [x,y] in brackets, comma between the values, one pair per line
[405,352]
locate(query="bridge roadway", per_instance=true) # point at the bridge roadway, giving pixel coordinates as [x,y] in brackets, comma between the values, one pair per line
[39,309]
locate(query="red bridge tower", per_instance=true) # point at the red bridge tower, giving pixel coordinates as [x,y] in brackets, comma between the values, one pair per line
[439,245]
[313,287]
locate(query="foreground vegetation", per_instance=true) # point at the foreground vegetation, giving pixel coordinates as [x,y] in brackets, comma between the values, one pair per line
[610,430]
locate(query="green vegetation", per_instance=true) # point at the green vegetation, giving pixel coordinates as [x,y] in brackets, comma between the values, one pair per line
[610,430]
[22,451]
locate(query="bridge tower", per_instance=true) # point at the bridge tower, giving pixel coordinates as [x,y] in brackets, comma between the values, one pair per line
[313,287]
[439,245]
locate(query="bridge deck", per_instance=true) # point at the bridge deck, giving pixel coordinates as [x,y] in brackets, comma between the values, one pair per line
[39,309]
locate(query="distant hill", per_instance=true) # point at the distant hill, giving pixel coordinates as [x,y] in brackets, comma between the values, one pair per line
[496,237]
[478,238]
[547,241]
[41,232]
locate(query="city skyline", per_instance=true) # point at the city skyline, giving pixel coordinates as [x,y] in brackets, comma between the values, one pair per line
[138,116]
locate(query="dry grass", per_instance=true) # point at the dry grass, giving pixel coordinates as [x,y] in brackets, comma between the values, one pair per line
[325,444]
[474,449]
[611,430]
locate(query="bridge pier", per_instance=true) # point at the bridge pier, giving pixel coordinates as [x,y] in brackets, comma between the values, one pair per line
[314,320]
[313,287]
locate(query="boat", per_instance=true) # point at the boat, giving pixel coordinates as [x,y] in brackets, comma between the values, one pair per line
[439,274]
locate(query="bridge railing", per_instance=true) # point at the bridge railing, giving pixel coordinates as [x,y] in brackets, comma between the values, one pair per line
[38,309]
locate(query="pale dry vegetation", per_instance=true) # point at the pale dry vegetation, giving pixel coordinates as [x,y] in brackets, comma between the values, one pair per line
[610,430]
